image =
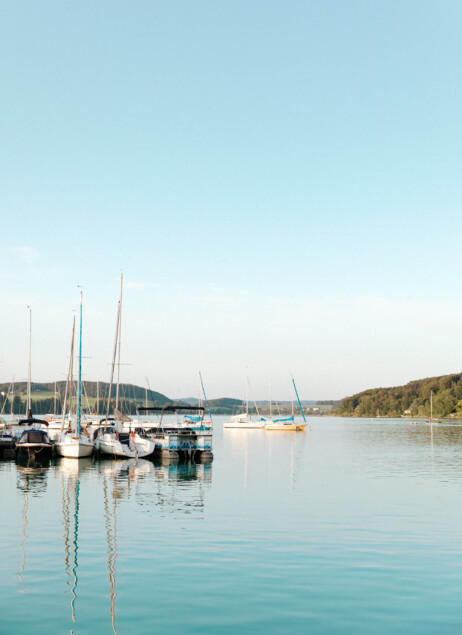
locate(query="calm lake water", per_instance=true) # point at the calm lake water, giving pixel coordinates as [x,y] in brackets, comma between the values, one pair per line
[354,527]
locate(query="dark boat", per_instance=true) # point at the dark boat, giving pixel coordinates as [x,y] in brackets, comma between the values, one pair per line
[7,439]
[34,441]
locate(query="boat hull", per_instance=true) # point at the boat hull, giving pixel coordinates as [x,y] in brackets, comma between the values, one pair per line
[291,427]
[244,425]
[116,449]
[34,449]
[7,443]
[74,449]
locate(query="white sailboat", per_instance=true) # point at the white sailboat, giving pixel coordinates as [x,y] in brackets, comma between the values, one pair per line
[431,420]
[244,420]
[75,443]
[110,439]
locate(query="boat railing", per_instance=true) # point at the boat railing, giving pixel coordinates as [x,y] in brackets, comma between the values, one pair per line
[174,409]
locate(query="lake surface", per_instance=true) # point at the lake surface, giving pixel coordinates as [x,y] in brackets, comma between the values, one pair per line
[354,527]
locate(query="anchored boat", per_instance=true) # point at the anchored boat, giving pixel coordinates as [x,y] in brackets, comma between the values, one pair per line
[34,441]
[75,443]
[174,440]
[288,424]
[124,445]
[244,420]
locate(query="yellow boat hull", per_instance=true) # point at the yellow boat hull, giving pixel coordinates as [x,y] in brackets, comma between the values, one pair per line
[291,427]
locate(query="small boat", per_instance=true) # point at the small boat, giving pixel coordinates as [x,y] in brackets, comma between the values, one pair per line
[75,443]
[125,445]
[174,440]
[72,445]
[7,439]
[34,441]
[198,424]
[111,440]
[288,424]
[243,419]
[431,420]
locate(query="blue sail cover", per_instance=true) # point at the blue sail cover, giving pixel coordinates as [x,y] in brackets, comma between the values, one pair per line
[193,419]
[288,419]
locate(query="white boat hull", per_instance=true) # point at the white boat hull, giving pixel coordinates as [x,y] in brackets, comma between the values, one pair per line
[249,425]
[113,447]
[74,448]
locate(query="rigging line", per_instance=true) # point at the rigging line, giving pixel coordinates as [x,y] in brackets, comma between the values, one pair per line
[86,398]
[69,375]
[6,399]
[205,397]
[253,397]
[113,363]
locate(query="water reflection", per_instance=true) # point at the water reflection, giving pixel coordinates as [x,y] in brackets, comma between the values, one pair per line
[31,475]
[31,478]
[163,488]
[125,479]
[110,521]
[176,487]
[70,471]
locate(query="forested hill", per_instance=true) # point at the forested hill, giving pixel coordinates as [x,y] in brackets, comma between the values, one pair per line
[45,399]
[413,399]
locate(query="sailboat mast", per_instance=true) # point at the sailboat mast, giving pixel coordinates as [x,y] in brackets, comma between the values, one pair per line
[120,334]
[205,396]
[116,339]
[298,399]
[69,374]
[12,396]
[431,404]
[97,396]
[246,392]
[29,364]
[271,400]
[79,408]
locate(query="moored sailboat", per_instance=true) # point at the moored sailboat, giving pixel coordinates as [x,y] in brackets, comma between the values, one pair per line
[111,439]
[288,424]
[76,443]
[431,420]
[243,419]
[34,441]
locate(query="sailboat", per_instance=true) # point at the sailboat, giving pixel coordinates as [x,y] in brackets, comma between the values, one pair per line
[109,439]
[431,420]
[7,439]
[288,424]
[243,420]
[34,441]
[195,422]
[76,443]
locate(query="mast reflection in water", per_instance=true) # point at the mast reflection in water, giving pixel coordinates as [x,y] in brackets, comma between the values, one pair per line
[31,478]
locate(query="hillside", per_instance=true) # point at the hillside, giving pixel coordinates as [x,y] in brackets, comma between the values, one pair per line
[94,399]
[413,399]
[44,398]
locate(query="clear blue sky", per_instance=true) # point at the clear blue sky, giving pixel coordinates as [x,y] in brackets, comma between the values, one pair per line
[278,181]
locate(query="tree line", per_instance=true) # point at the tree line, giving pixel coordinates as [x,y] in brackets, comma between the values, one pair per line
[413,399]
